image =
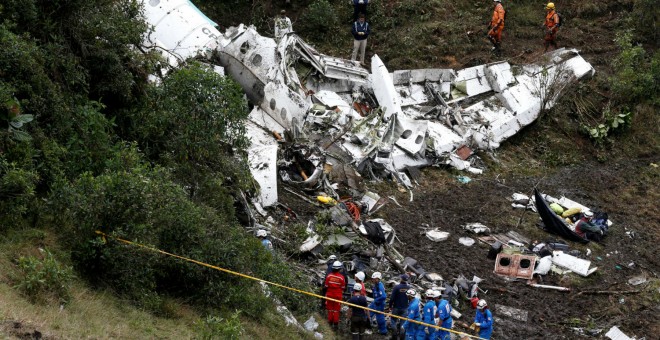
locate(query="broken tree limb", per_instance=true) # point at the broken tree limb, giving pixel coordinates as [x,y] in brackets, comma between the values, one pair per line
[302,197]
[608,292]
[563,289]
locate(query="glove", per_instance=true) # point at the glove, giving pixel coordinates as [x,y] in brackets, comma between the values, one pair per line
[477,324]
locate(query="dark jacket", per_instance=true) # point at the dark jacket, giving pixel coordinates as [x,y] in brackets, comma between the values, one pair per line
[398,299]
[360,27]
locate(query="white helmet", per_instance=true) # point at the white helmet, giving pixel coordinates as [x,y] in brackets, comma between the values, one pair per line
[436,293]
[376,275]
[261,233]
[482,304]
[336,265]
[430,293]
[332,258]
[357,287]
[360,276]
[411,292]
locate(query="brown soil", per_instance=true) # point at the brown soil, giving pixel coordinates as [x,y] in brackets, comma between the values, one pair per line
[441,201]
[21,330]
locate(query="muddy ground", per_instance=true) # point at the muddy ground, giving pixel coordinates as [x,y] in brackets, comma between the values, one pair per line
[441,201]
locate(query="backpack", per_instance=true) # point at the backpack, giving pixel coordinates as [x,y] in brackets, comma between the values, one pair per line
[561,19]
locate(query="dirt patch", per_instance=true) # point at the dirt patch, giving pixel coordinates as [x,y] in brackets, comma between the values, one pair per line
[443,202]
[21,330]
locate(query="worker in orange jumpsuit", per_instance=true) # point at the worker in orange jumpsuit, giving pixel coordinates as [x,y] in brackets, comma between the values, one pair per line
[551,26]
[496,26]
[334,285]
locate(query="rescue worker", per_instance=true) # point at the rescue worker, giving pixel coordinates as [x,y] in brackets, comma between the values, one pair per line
[428,316]
[359,317]
[551,26]
[444,316]
[360,32]
[359,278]
[262,234]
[483,320]
[282,26]
[359,7]
[496,26]
[412,313]
[379,294]
[334,285]
[399,304]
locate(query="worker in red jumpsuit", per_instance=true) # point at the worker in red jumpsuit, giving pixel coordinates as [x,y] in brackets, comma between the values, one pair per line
[496,26]
[334,285]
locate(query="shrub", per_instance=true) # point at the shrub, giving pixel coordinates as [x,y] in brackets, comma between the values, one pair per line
[42,276]
[17,191]
[318,19]
[214,327]
[637,78]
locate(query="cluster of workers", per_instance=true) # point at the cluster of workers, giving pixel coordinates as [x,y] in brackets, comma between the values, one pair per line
[496,26]
[361,30]
[432,308]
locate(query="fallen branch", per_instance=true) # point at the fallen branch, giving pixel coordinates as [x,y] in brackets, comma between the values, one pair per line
[302,197]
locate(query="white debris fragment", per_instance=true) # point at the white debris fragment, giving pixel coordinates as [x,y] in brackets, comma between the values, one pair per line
[466,241]
[574,264]
[311,324]
[544,265]
[616,334]
[436,235]
[477,228]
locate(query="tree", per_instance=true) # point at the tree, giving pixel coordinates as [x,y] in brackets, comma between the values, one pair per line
[195,122]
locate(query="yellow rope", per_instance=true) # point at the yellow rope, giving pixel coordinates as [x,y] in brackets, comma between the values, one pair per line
[282,286]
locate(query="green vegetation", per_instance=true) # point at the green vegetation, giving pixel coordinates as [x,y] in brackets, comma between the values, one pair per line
[41,276]
[87,143]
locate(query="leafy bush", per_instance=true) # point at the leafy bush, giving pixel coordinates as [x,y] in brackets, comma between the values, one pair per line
[645,17]
[214,327]
[637,78]
[42,276]
[144,205]
[17,190]
[194,123]
[318,19]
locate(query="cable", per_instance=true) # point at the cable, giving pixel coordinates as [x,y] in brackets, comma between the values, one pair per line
[228,271]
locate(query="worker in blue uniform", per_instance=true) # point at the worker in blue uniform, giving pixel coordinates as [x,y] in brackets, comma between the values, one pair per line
[413,313]
[428,316]
[380,296]
[444,316]
[483,320]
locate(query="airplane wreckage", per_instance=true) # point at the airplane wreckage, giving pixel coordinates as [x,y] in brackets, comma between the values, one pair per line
[322,123]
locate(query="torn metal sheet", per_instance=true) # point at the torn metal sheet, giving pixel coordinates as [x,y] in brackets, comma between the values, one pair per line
[616,334]
[383,87]
[515,265]
[262,160]
[574,264]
